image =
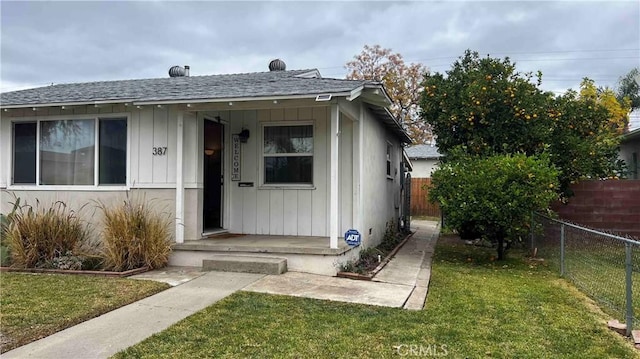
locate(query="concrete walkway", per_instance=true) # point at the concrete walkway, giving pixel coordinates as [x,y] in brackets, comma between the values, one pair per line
[412,264]
[402,283]
[112,332]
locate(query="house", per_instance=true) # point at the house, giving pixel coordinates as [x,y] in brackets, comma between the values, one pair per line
[424,159]
[629,149]
[290,159]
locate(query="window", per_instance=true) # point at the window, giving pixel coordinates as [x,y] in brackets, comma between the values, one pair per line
[24,152]
[389,154]
[288,154]
[65,153]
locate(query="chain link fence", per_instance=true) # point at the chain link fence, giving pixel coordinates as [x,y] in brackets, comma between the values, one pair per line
[604,266]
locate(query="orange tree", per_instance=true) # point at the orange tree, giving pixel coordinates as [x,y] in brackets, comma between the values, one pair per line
[494,195]
[488,107]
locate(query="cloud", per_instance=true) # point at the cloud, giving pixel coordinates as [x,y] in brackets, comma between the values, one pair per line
[45,42]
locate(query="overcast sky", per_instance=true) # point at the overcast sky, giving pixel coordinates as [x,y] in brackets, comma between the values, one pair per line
[62,42]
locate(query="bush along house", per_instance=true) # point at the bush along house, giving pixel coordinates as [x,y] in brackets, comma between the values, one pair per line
[271,166]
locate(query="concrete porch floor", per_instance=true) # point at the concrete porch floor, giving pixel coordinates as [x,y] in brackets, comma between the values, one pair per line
[303,254]
[264,244]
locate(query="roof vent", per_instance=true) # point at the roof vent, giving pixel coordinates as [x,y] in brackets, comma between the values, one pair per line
[277,65]
[177,71]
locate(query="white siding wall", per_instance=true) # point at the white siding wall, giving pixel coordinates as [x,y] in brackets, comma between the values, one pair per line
[346,180]
[85,203]
[149,127]
[251,210]
[381,195]
[276,211]
[423,168]
[5,151]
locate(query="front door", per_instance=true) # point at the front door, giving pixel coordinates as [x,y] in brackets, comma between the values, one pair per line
[213,175]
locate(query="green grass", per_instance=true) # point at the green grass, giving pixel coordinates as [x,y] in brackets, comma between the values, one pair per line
[476,308]
[37,305]
[597,267]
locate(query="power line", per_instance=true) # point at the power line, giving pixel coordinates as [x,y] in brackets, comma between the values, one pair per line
[520,53]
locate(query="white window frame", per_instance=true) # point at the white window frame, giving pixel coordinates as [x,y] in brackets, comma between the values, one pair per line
[262,156]
[389,162]
[96,177]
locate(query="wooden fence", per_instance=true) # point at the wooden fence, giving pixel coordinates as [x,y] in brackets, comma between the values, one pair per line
[420,205]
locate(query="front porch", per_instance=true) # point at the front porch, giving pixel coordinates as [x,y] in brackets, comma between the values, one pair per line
[303,254]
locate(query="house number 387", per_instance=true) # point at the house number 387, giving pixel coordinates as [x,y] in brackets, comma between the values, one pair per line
[159,151]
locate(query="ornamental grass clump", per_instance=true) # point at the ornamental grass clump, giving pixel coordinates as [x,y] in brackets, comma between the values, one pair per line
[36,236]
[134,236]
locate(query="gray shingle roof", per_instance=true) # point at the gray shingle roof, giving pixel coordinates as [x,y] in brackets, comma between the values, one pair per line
[254,85]
[422,152]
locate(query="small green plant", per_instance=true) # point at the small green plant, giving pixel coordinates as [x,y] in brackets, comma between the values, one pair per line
[370,258]
[134,236]
[5,221]
[66,261]
[37,235]
[391,237]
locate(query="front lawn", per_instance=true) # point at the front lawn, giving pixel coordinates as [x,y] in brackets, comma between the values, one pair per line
[476,308]
[37,305]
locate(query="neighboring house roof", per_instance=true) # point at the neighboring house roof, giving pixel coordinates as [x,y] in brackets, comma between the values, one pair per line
[423,152]
[212,88]
[630,136]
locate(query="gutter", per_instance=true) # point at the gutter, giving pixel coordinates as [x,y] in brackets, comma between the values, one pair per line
[141,102]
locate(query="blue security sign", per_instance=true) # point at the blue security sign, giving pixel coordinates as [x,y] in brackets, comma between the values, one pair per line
[352,237]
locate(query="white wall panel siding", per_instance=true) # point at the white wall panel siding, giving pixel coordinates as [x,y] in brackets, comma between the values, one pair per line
[235,121]
[320,196]
[290,213]
[172,149]
[83,202]
[276,211]
[6,132]
[345,181]
[304,218]
[146,143]
[134,148]
[191,151]
[249,173]
[192,213]
[160,139]
[263,212]
[250,210]
[379,191]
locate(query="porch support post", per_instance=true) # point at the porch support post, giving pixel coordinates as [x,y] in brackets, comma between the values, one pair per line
[179,179]
[334,165]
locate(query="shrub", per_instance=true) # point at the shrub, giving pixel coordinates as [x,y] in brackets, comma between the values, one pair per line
[494,196]
[35,236]
[134,236]
[5,220]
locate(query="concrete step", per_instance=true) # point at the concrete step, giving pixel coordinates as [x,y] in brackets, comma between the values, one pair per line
[245,264]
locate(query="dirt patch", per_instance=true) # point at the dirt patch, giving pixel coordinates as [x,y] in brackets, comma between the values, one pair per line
[4,342]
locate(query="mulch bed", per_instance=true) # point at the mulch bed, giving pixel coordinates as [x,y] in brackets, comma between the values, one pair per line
[77,272]
[373,271]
